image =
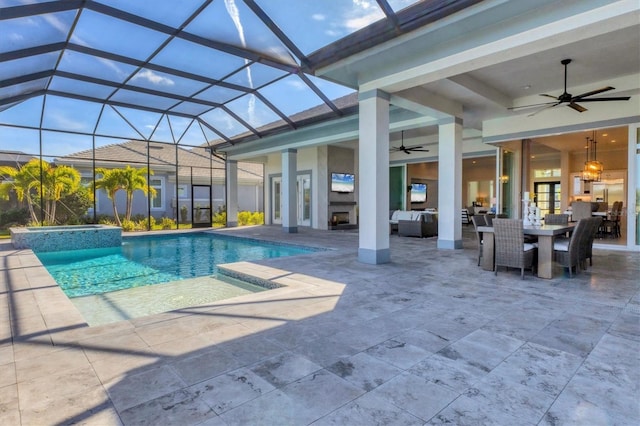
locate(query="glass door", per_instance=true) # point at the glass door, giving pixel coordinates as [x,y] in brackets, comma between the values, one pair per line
[303,185]
[547,197]
[276,200]
[201,202]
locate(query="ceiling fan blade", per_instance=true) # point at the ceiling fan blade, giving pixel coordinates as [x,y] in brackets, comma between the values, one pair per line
[544,108]
[576,107]
[530,106]
[617,98]
[549,96]
[416,149]
[593,92]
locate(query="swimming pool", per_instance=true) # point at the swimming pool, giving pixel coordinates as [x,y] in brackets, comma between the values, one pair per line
[155,259]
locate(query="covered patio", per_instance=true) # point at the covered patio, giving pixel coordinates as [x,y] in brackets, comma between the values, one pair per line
[426,338]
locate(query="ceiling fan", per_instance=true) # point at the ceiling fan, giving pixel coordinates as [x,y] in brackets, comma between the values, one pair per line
[407,150]
[570,100]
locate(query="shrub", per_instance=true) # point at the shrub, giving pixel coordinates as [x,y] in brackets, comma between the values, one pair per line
[220,219]
[168,223]
[13,217]
[128,225]
[250,218]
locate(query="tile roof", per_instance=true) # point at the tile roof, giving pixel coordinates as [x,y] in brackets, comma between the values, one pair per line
[162,155]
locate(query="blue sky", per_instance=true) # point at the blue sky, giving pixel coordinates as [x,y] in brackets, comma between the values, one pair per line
[310,25]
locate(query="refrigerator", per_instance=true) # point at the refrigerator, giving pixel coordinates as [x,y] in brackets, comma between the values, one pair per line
[609,189]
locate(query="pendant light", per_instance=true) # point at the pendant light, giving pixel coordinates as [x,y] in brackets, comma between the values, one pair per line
[593,168]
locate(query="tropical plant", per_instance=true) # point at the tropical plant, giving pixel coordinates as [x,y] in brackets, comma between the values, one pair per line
[36,181]
[129,180]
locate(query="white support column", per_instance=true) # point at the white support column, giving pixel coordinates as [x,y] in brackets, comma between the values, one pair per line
[373,155]
[232,193]
[450,184]
[289,193]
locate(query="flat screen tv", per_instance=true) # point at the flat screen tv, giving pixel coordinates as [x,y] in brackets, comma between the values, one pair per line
[342,182]
[418,192]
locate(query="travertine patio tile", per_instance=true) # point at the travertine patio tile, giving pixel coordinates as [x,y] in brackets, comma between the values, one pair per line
[399,353]
[55,387]
[178,408]
[113,345]
[92,407]
[284,368]
[9,405]
[364,371]
[137,387]
[205,365]
[227,391]
[52,363]
[370,409]
[469,412]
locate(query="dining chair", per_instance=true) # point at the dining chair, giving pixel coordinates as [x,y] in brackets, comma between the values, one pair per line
[489,218]
[611,225]
[566,251]
[556,219]
[510,249]
[587,249]
[478,221]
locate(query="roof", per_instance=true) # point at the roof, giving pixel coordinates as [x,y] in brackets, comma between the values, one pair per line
[165,74]
[162,156]
[14,158]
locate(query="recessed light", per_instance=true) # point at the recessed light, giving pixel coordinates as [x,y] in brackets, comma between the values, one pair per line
[533,156]
[613,140]
[526,87]
[474,161]
[605,134]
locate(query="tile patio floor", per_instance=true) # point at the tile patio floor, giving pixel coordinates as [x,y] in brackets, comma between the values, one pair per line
[429,338]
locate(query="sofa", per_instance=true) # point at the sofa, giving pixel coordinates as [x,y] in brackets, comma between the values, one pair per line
[424,224]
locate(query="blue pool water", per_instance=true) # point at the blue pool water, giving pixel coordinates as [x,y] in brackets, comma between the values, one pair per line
[142,261]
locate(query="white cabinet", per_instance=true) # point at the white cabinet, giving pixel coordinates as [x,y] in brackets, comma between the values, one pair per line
[578,186]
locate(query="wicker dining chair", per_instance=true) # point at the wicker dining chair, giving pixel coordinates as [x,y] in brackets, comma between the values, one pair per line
[567,251]
[478,220]
[510,248]
[586,252]
[556,219]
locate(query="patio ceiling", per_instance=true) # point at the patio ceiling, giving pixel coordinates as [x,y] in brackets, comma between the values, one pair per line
[188,71]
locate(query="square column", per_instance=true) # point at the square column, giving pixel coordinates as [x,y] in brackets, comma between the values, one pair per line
[232,193]
[450,184]
[289,192]
[373,165]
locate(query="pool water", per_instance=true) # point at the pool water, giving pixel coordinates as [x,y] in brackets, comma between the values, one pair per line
[142,261]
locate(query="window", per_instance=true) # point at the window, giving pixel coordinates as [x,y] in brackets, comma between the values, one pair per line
[543,173]
[157,202]
[182,191]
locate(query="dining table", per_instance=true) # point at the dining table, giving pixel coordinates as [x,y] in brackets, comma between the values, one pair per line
[545,234]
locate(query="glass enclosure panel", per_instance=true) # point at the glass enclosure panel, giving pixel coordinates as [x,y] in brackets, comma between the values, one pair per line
[218,94]
[281,92]
[70,114]
[180,54]
[112,124]
[25,113]
[98,91]
[156,80]
[637,186]
[191,108]
[253,111]
[396,188]
[23,88]
[143,121]
[255,75]
[64,146]
[328,20]
[28,65]
[162,132]
[93,66]
[331,90]
[237,25]
[508,177]
[168,12]
[35,30]
[122,38]
[143,99]
[21,140]
[193,136]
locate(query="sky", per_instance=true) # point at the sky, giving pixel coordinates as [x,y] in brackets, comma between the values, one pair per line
[311,24]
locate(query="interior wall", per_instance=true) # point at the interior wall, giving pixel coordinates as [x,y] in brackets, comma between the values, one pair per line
[342,160]
[427,173]
[481,170]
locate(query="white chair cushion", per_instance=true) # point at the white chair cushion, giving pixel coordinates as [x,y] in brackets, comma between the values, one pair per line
[394,216]
[528,246]
[561,245]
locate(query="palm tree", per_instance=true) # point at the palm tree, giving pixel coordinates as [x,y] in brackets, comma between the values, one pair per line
[57,182]
[135,179]
[128,179]
[111,181]
[24,181]
[39,179]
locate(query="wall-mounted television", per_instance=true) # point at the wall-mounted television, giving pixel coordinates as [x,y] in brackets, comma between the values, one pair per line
[342,182]
[418,192]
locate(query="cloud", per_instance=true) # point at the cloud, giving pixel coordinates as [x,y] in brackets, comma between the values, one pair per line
[154,78]
[318,17]
[64,122]
[296,84]
[15,37]
[356,23]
